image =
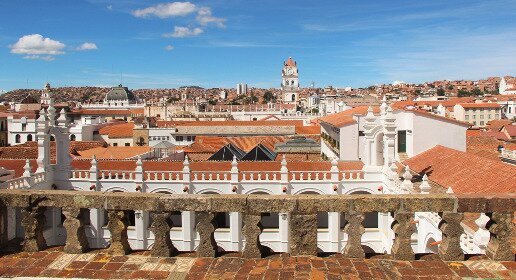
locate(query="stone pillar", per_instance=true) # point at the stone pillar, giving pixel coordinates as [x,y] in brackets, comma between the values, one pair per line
[33,222]
[500,227]
[403,229]
[76,241]
[117,226]
[354,229]
[303,234]
[161,225]
[206,229]
[188,230]
[251,230]
[450,249]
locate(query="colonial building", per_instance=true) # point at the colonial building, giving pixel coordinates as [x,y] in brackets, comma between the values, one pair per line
[478,114]
[507,85]
[290,81]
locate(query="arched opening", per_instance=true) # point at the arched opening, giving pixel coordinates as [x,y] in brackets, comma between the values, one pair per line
[52,138]
[17,138]
[378,155]
[72,137]
[29,137]
[431,246]
[293,97]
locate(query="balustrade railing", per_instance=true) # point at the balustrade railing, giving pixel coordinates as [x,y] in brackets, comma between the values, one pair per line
[246,176]
[211,175]
[116,175]
[163,176]
[302,219]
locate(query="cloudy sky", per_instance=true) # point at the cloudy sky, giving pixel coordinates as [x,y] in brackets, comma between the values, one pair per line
[218,43]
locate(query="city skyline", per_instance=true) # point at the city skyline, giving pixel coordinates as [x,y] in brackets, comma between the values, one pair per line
[152,44]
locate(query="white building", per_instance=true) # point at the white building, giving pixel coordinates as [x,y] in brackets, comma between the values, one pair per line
[241,89]
[478,114]
[507,86]
[290,81]
[343,135]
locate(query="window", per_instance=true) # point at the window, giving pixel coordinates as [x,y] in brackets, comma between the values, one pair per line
[179,138]
[497,116]
[24,127]
[115,144]
[72,137]
[482,123]
[17,138]
[29,137]
[467,117]
[489,116]
[481,116]
[127,144]
[188,138]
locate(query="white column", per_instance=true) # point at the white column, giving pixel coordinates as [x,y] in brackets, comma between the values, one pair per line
[283,231]
[188,222]
[334,230]
[235,226]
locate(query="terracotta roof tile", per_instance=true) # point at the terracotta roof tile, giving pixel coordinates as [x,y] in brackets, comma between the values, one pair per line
[479,105]
[464,172]
[123,130]
[115,152]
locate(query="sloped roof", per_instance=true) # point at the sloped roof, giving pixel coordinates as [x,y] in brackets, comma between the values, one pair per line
[123,130]
[115,152]
[164,145]
[227,153]
[260,152]
[346,117]
[464,172]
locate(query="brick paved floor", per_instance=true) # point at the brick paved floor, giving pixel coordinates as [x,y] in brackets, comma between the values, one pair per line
[139,265]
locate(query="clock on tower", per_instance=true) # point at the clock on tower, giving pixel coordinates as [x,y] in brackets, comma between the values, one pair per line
[290,81]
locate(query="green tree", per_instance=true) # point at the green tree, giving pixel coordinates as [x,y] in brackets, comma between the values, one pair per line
[440,92]
[268,97]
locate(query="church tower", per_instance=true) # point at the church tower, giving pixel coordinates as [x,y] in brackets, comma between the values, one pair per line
[45,95]
[290,81]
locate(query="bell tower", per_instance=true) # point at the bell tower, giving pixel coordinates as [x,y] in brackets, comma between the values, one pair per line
[290,81]
[45,94]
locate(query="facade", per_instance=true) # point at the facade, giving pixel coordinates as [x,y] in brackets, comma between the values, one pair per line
[241,89]
[478,114]
[507,86]
[343,135]
[290,81]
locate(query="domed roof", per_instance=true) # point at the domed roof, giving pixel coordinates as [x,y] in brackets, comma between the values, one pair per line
[120,93]
[290,62]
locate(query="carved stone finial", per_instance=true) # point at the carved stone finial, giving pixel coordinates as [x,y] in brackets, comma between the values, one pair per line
[425,187]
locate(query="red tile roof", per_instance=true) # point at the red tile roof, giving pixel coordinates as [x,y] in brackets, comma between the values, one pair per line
[464,172]
[115,152]
[123,130]
[346,117]
[479,105]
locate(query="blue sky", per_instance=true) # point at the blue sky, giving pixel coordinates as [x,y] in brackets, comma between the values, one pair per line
[218,43]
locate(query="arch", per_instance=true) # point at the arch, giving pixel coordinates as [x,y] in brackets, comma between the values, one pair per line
[259,191]
[52,138]
[429,247]
[359,190]
[309,191]
[115,189]
[378,149]
[272,246]
[17,138]
[293,97]
[29,137]
[72,137]
[209,191]
[163,190]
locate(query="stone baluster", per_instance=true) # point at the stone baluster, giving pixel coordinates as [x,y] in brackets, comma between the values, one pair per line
[450,249]
[501,228]
[206,228]
[403,229]
[161,225]
[303,234]
[76,240]
[33,222]
[251,231]
[117,226]
[354,229]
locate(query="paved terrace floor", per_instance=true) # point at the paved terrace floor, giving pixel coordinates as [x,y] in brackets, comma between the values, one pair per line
[140,265]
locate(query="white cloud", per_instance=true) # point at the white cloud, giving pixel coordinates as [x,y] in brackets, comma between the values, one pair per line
[166,10]
[35,46]
[181,31]
[87,46]
[169,47]
[204,17]
[110,7]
